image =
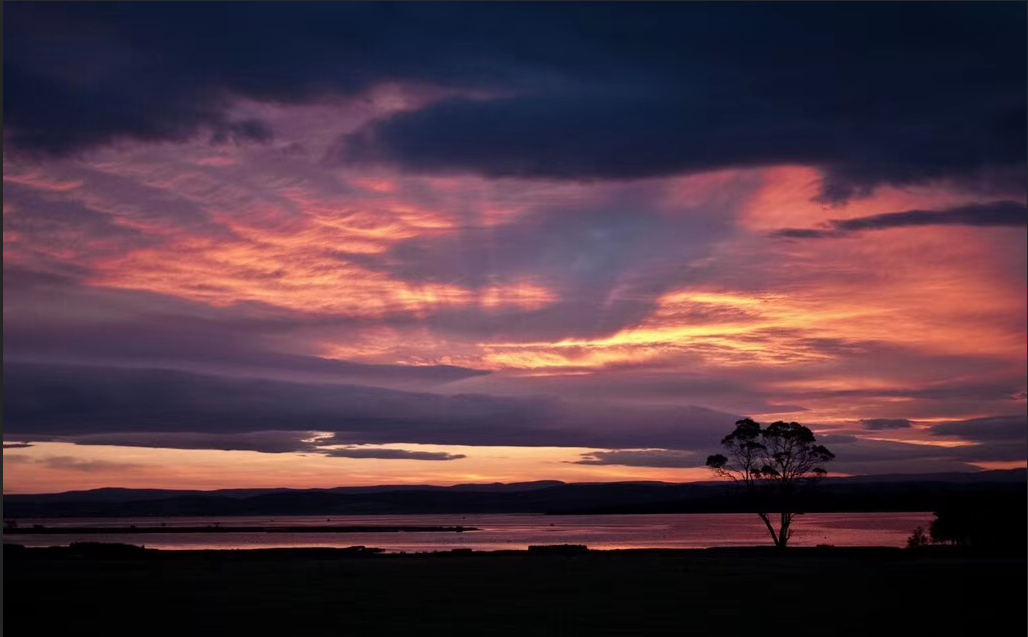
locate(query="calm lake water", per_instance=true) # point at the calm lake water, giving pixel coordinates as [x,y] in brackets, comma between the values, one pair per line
[505,531]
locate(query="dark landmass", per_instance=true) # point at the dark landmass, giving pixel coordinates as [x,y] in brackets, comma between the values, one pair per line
[865,493]
[217,528]
[937,591]
[912,496]
[118,494]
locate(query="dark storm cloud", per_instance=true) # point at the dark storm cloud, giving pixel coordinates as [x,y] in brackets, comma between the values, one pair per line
[987,215]
[955,391]
[886,456]
[646,385]
[877,424]
[713,90]
[260,441]
[666,458]
[79,76]
[992,428]
[391,454]
[896,93]
[66,401]
[853,455]
[158,408]
[828,439]
[77,400]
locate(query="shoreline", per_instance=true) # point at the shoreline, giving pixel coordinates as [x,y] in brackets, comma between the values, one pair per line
[115,550]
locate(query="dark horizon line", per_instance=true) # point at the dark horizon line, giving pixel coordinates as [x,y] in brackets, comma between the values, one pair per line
[884,477]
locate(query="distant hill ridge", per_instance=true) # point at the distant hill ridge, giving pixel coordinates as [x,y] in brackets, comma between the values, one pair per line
[860,493]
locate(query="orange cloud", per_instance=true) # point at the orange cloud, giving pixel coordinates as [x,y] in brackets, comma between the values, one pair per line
[292,273]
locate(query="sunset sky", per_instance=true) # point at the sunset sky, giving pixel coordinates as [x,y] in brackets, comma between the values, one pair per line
[314,245]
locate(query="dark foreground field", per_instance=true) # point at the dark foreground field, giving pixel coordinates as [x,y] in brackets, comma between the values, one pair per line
[715,592]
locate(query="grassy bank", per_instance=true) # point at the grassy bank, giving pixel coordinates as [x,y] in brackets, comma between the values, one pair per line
[703,592]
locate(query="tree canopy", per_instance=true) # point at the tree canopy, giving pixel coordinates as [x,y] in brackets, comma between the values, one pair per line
[771,463]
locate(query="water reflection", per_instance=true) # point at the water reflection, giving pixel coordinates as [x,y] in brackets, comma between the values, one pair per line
[505,531]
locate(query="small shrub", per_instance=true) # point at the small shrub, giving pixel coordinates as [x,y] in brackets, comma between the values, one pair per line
[917,539]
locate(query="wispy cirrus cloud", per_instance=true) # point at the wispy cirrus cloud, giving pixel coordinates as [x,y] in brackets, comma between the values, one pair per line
[71,463]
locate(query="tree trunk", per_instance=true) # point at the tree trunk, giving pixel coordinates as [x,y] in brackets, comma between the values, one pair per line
[783,530]
[771,529]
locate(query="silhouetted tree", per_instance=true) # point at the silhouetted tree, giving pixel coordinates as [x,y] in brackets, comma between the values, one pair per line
[771,463]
